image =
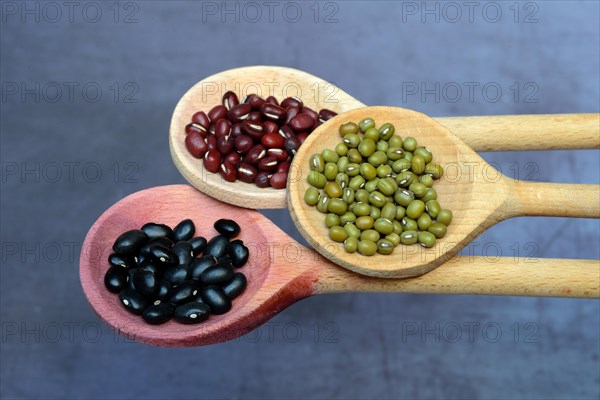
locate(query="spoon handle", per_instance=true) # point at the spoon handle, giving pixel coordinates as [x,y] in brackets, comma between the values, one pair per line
[478,275]
[554,200]
[527,132]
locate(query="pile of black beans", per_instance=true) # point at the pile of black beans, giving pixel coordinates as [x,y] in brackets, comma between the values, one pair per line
[161,273]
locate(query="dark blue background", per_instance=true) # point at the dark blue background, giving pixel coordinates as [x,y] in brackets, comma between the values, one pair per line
[351,345]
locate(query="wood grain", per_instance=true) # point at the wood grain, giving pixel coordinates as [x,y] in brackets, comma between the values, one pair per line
[528,132]
[280,271]
[478,195]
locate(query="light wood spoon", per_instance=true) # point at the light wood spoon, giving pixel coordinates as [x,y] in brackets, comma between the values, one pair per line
[280,271]
[478,195]
[512,132]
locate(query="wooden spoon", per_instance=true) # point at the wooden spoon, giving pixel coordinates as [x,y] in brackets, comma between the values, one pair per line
[524,132]
[478,195]
[280,271]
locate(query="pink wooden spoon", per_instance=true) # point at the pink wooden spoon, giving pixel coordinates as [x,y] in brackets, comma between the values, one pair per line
[280,271]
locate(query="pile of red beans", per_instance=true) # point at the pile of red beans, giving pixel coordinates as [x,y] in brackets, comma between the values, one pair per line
[253,141]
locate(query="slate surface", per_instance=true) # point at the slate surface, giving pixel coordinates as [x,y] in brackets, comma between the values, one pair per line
[337,346]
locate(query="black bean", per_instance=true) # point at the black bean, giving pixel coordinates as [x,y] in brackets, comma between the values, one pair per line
[145,282]
[184,230]
[163,241]
[238,253]
[192,313]
[217,246]
[118,260]
[160,241]
[184,293]
[198,244]
[154,230]
[163,255]
[235,286]
[227,227]
[164,289]
[141,259]
[115,279]
[200,264]
[156,267]
[176,275]
[225,260]
[183,250]
[217,274]
[130,242]
[158,313]
[133,301]
[214,297]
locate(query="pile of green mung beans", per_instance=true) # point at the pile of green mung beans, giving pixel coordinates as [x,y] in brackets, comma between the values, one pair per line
[376,190]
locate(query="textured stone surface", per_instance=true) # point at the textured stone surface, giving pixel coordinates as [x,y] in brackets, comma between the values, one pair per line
[351,346]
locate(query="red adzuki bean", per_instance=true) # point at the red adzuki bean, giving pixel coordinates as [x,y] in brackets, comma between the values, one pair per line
[212,161]
[246,173]
[267,163]
[291,112]
[243,144]
[230,99]
[279,154]
[193,127]
[255,101]
[201,119]
[255,154]
[196,145]
[310,112]
[234,158]
[301,122]
[222,128]
[225,145]
[228,172]
[272,100]
[211,142]
[270,126]
[302,137]
[253,129]
[272,112]
[253,141]
[217,113]
[262,179]
[325,115]
[278,180]
[272,140]
[239,113]
[292,102]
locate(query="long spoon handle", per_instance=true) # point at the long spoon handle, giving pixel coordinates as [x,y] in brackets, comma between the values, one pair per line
[527,132]
[478,275]
[554,200]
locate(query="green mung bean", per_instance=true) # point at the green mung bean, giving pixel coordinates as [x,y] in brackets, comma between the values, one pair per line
[332,220]
[444,216]
[351,244]
[367,247]
[311,196]
[370,234]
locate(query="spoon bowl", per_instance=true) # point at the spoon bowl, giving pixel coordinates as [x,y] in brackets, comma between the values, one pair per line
[265,81]
[170,205]
[478,195]
[280,271]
